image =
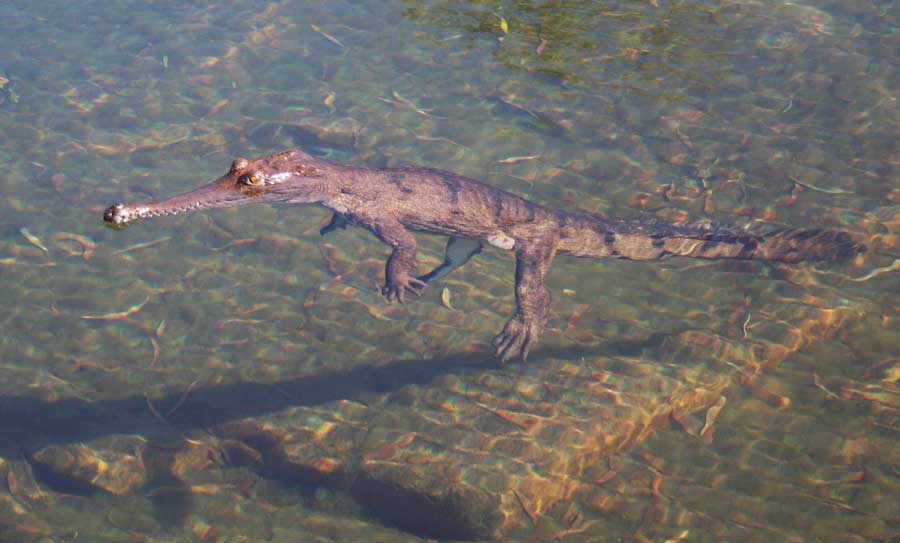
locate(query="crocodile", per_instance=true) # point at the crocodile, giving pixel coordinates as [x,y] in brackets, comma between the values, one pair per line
[392,203]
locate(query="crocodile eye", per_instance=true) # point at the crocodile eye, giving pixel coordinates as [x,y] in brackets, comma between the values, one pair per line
[251,179]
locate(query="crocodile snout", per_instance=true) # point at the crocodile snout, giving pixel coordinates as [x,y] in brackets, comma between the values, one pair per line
[118,216]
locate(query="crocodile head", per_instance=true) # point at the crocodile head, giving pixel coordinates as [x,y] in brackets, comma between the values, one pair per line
[289,177]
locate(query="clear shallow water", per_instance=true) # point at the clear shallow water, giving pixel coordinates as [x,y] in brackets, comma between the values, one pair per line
[736,112]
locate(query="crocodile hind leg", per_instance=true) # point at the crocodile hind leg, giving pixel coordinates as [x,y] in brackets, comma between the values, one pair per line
[458,252]
[532,299]
[338,221]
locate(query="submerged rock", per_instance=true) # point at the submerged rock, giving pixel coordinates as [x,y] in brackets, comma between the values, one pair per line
[113,464]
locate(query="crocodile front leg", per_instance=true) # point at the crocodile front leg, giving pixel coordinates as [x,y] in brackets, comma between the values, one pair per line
[397,281]
[532,299]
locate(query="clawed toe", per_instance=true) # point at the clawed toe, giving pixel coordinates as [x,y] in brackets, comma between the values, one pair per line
[396,290]
[516,339]
[392,294]
[415,285]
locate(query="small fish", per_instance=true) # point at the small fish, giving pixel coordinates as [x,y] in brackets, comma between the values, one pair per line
[822,189]
[88,246]
[218,106]
[711,414]
[504,26]
[222,323]
[156,351]
[235,243]
[405,439]
[818,382]
[119,315]
[508,101]
[526,507]
[107,150]
[328,36]
[34,240]
[409,103]
[144,245]
[329,101]
[517,159]
[445,298]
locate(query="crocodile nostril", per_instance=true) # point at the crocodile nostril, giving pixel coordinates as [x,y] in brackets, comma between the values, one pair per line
[117,216]
[112,213]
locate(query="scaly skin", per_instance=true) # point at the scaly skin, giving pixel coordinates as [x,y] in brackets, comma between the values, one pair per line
[392,203]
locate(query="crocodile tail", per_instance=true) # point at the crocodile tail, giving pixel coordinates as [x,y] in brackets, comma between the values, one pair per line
[787,245]
[792,245]
[598,237]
